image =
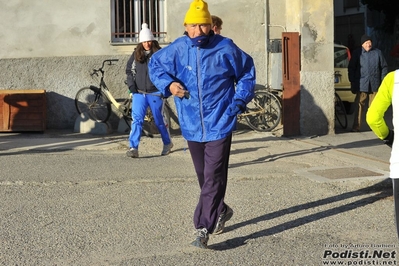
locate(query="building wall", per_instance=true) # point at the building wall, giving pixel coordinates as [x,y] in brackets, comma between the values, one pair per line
[53,45]
[317,84]
[45,28]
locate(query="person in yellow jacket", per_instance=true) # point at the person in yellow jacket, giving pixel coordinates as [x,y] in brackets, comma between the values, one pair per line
[387,95]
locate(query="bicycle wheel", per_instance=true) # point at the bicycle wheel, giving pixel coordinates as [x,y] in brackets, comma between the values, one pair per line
[340,112]
[128,115]
[94,103]
[128,121]
[263,112]
[166,114]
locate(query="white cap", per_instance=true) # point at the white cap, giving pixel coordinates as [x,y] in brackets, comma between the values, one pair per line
[145,34]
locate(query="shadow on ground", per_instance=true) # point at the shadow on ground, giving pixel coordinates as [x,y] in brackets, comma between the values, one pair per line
[377,192]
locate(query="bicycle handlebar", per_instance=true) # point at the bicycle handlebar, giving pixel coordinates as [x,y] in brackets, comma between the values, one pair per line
[102,66]
[109,62]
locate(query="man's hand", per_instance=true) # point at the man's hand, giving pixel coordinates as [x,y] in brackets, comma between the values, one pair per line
[389,139]
[354,87]
[177,90]
[236,107]
[133,89]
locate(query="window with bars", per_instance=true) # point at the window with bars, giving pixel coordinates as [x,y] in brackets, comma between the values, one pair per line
[351,4]
[128,15]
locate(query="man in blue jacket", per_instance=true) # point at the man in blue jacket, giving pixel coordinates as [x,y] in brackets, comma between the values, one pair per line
[212,81]
[366,70]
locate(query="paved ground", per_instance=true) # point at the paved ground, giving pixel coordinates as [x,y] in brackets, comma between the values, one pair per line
[75,199]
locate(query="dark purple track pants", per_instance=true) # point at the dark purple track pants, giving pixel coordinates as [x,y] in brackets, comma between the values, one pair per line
[211,162]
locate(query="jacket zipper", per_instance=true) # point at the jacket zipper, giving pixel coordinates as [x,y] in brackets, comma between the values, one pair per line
[199,78]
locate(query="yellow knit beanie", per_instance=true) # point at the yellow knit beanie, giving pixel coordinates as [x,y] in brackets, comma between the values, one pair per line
[198,13]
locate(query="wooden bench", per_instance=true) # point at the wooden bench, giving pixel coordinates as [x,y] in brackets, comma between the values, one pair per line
[22,110]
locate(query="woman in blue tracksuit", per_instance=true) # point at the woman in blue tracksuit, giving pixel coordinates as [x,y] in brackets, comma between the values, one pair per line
[212,81]
[145,93]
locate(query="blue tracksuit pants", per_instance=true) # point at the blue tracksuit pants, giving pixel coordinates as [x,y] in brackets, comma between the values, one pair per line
[140,103]
[211,162]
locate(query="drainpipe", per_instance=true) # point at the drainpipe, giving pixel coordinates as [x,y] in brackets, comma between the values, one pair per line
[267,41]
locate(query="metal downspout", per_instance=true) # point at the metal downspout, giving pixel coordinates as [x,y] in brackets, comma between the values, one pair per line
[267,41]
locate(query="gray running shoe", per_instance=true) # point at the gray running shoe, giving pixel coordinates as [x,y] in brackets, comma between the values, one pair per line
[166,149]
[223,218]
[202,239]
[132,152]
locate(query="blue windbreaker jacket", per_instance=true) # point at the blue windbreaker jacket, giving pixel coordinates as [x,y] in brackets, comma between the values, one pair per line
[215,75]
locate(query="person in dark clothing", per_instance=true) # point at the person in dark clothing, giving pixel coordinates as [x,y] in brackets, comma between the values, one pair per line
[366,70]
[395,54]
[145,93]
[216,24]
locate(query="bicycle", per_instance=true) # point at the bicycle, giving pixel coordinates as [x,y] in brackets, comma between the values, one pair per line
[96,102]
[340,111]
[264,111]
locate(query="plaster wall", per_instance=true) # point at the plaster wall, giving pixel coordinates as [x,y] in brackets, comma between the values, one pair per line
[46,28]
[317,83]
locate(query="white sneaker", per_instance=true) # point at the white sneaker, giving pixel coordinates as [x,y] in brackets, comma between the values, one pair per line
[132,152]
[223,218]
[202,239]
[166,149]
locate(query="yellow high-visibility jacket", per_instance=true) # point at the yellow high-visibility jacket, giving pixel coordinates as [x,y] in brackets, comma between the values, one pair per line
[388,93]
[381,102]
